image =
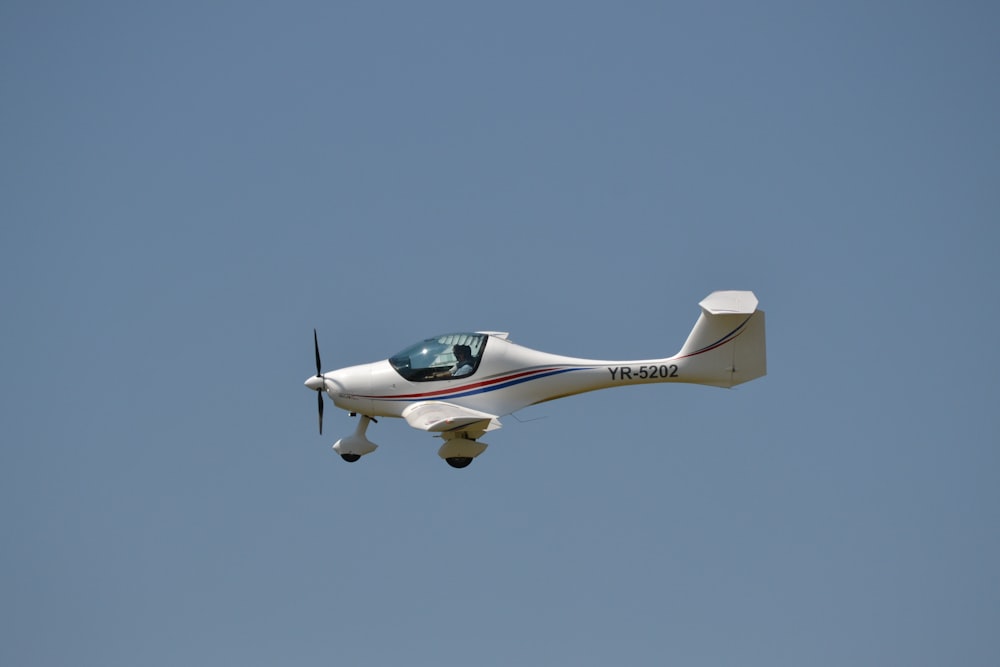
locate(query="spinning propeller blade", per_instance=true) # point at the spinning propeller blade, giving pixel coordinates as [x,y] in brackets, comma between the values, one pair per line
[319,374]
[319,396]
[319,366]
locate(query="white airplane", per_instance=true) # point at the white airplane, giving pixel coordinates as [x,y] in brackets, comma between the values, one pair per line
[459,385]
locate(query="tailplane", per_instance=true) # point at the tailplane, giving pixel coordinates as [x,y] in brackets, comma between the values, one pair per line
[727,345]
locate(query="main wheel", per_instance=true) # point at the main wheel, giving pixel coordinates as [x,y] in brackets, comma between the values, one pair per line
[459,461]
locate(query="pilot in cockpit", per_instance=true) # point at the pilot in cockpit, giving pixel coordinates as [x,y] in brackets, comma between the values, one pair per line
[464,362]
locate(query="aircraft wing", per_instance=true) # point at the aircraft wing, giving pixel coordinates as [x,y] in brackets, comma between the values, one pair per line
[448,418]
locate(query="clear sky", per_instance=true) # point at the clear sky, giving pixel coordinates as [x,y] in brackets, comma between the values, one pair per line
[187,189]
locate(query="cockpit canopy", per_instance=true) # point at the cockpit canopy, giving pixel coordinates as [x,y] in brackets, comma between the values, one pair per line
[444,357]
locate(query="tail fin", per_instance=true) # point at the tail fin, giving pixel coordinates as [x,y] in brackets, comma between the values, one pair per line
[727,345]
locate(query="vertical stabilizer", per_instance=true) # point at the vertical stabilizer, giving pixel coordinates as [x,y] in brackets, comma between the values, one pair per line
[727,346]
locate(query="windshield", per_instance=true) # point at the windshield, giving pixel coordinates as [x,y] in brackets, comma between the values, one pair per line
[442,358]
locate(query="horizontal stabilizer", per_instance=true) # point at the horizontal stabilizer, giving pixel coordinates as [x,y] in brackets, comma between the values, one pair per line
[729,302]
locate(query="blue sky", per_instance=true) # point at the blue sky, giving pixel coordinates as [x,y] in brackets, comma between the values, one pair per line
[189,188]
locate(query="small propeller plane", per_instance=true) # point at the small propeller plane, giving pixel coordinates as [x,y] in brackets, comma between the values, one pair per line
[458,385]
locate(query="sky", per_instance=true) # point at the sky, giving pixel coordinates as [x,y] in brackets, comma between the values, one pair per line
[188,189]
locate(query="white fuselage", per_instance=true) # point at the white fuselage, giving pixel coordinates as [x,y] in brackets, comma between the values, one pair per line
[509,378]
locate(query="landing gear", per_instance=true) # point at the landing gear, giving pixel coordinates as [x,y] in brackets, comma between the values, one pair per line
[356,445]
[458,451]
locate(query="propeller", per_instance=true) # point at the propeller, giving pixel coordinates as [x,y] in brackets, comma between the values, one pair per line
[318,384]
[319,374]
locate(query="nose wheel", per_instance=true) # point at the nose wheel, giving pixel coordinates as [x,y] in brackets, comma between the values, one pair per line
[356,445]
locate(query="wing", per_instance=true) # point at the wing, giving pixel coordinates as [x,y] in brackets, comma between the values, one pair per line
[450,419]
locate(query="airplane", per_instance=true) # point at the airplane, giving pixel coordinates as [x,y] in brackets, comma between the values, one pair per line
[458,385]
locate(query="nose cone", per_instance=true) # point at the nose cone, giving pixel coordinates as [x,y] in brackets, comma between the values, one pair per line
[316,383]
